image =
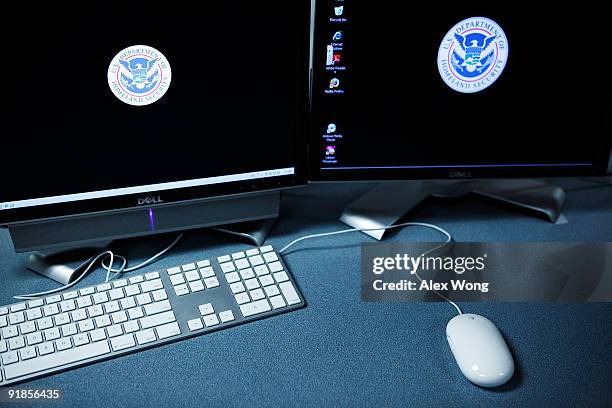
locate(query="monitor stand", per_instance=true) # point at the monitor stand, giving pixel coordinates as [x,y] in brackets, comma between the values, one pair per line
[389,202]
[61,245]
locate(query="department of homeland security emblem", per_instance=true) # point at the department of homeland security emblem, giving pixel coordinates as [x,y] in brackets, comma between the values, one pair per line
[473,55]
[139,75]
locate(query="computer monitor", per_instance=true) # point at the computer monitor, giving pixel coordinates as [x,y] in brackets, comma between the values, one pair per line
[460,91]
[116,121]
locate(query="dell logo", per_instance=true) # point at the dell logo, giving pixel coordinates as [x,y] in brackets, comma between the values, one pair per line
[460,174]
[150,200]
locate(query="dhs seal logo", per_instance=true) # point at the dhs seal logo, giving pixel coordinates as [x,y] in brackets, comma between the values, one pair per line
[473,55]
[139,75]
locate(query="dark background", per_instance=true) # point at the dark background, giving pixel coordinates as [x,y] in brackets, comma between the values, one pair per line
[549,105]
[231,107]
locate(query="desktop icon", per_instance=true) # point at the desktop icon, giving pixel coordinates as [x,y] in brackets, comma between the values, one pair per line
[339,10]
[331,128]
[336,58]
[334,83]
[330,150]
[338,36]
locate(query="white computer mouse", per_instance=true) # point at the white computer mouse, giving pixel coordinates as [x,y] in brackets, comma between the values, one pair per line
[480,350]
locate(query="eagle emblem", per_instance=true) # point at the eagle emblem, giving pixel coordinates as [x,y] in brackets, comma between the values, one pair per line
[474,55]
[139,75]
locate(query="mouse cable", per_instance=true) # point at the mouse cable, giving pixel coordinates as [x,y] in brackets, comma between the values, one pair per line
[88,265]
[449,240]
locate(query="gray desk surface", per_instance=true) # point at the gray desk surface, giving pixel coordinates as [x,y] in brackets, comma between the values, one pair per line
[341,351]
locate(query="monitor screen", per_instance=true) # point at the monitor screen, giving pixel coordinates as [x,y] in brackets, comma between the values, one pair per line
[104,105]
[460,91]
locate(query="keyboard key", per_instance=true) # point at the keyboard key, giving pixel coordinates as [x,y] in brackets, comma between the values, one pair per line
[127,303]
[256,260]
[71,295]
[132,290]
[145,336]
[157,320]
[160,295]
[272,290]
[144,299]
[196,286]
[238,255]
[123,342]
[46,348]
[247,274]
[52,334]
[100,297]
[103,287]
[275,266]
[232,277]
[242,264]
[63,344]
[237,287]
[203,264]
[114,330]
[80,339]
[78,315]
[173,271]
[195,324]
[39,302]
[136,279]
[45,323]
[188,267]
[10,331]
[168,330]
[250,309]
[55,360]
[266,280]
[86,325]
[152,285]
[69,329]
[52,299]
[84,301]
[103,321]
[3,346]
[225,258]
[97,335]
[112,307]
[16,343]
[136,313]
[281,277]
[131,326]
[9,358]
[157,307]
[16,318]
[289,293]
[211,282]
[151,275]
[120,283]
[181,290]
[87,291]
[252,252]
[95,311]
[277,302]
[177,279]
[270,257]
[262,270]
[211,320]
[192,275]
[242,298]
[206,309]
[251,284]
[3,310]
[34,338]
[27,353]
[228,267]
[119,317]
[226,316]
[3,321]
[207,272]
[67,305]
[27,327]
[62,318]
[116,294]
[257,294]
[266,248]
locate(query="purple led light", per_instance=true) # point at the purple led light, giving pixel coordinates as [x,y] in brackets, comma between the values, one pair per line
[151,219]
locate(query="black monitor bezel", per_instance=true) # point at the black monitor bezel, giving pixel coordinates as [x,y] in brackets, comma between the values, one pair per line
[316,174]
[130,202]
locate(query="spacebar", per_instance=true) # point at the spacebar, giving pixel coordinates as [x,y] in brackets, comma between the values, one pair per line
[56,360]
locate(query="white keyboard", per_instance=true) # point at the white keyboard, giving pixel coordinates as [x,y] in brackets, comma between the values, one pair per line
[51,334]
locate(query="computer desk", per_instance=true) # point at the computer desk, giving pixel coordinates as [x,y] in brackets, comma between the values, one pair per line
[341,351]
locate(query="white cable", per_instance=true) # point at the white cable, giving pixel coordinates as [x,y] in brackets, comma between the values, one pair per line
[449,239]
[145,263]
[109,269]
[71,284]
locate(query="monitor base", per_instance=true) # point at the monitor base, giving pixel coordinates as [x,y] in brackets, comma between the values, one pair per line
[61,266]
[387,203]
